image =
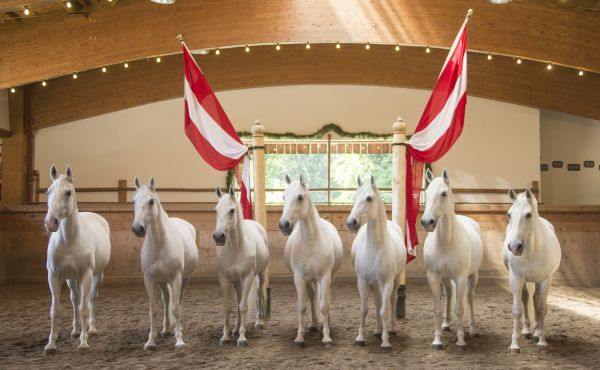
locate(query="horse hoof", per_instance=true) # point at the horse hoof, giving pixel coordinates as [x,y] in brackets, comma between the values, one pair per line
[224,342]
[536,338]
[180,347]
[446,328]
[327,344]
[514,350]
[386,348]
[298,344]
[543,348]
[149,347]
[313,329]
[527,335]
[437,347]
[242,343]
[92,330]
[377,335]
[85,349]
[359,343]
[49,351]
[259,326]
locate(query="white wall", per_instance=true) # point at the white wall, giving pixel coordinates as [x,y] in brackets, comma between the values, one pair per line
[570,139]
[150,140]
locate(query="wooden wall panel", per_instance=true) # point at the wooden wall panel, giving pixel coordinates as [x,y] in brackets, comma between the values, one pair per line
[94,92]
[45,47]
[23,241]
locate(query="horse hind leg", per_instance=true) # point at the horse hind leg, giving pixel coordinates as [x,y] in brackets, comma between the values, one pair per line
[447,283]
[168,320]
[261,301]
[471,284]
[96,282]
[394,302]
[526,323]
[311,290]
[74,294]
[237,286]
[377,297]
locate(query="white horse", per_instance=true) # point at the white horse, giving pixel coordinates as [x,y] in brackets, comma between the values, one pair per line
[453,251]
[242,255]
[531,254]
[379,256]
[313,252]
[168,257]
[78,252]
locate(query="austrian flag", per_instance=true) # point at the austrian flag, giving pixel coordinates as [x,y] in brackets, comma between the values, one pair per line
[209,129]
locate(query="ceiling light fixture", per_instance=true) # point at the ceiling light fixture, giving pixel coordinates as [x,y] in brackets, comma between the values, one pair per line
[549,66]
[104,69]
[126,65]
[489,57]
[308,45]
[427,50]
[74,76]
[367,46]
[158,59]
[12,90]
[580,73]
[44,83]
[498,2]
[337,45]
[26,11]
[162,2]
[247,49]
[217,51]
[519,61]
[397,48]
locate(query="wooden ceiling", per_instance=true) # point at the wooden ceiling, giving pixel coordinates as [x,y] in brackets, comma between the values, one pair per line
[13,10]
[95,92]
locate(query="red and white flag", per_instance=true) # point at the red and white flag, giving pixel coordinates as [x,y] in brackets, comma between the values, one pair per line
[439,127]
[210,131]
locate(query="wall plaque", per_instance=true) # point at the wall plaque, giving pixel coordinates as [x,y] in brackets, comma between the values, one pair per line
[573,167]
[544,167]
[589,164]
[557,164]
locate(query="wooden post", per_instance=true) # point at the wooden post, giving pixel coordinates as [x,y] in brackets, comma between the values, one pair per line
[122,191]
[260,208]
[399,198]
[36,186]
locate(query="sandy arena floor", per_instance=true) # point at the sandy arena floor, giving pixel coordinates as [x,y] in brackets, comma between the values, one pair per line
[573,325]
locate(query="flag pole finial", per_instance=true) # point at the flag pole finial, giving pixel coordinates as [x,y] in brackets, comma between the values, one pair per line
[180,38]
[469,13]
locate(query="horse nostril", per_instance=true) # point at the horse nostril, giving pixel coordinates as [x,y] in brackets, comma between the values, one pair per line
[423,222]
[431,222]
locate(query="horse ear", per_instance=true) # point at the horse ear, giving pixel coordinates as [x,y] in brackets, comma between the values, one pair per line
[528,194]
[231,192]
[429,175]
[359,181]
[152,184]
[512,194]
[69,173]
[137,183]
[445,176]
[218,192]
[302,182]
[287,179]
[373,181]
[53,172]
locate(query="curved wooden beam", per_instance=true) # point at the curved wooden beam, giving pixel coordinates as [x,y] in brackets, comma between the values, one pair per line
[94,92]
[55,45]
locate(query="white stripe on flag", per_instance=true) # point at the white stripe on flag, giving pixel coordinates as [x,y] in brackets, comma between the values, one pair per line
[427,137]
[246,176]
[209,129]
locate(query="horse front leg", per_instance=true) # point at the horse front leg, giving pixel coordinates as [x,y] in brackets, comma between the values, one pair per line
[516,284]
[387,289]
[237,287]
[226,291]
[96,282]
[261,297]
[526,323]
[363,290]
[54,283]
[74,295]
[324,306]
[166,298]
[461,292]
[541,308]
[471,284]
[300,284]
[84,292]
[434,284]
[378,323]
[246,286]
[176,291]
[312,298]
[447,313]
[151,289]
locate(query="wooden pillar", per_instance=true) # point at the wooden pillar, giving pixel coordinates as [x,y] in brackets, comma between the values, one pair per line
[260,208]
[399,198]
[15,150]
[122,197]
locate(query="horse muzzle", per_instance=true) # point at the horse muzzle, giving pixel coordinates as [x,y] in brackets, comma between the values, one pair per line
[516,247]
[352,225]
[428,224]
[51,224]
[219,238]
[138,230]
[285,227]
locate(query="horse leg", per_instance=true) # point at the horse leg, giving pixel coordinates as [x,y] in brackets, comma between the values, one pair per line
[541,308]
[261,293]
[394,301]
[54,283]
[74,294]
[238,298]
[386,289]
[84,292]
[96,282]
[525,298]
[516,284]
[379,324]
[447,313]
[434,285]
[363,290]
[226,291]
[166,297]
[312,298]
[471,284]
[246,285]
[151,289]
[302,297]
[324,303]
[176,291]
[461,290]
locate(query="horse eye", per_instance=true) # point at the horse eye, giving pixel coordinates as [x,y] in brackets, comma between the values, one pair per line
[151,202]
[231,211]
[68,193]
[528,215]
[445,194]
[369,198]
[301,197]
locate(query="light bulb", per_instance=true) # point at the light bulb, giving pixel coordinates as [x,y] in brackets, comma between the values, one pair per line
[489,57]
[74,76]
[12,90]
[126,65]
[337,45]
[519,61]
[308,45]
[26,11]
[218,52]
[69,4]
[580,72]
[277,47]
[397,47]
[104,69]
[247,49]
[44,83]
[427,50]
[549,66]
[158,59]
[367,46]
